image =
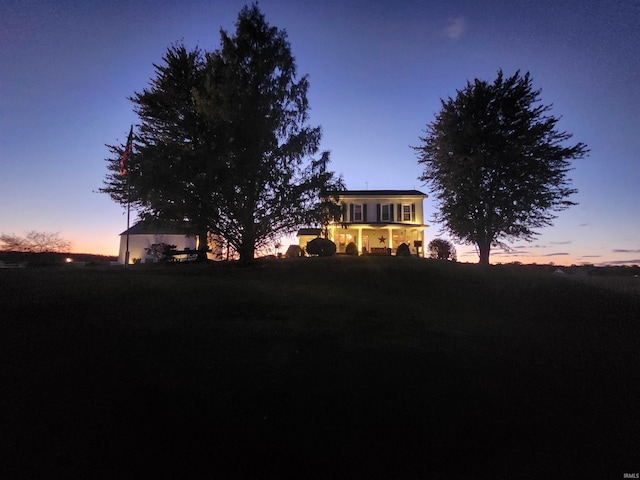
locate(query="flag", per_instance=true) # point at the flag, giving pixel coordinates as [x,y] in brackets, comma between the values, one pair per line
[126,154]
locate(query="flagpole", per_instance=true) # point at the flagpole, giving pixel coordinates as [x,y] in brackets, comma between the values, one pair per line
[128,151]
[126,255]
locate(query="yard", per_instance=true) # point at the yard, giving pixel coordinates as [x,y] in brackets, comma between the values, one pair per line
[370,367]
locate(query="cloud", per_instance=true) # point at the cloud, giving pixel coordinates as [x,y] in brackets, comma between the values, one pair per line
[617,250]
[584,225]
[510,253]
[561,243]
[591,256]
[455,28]
[623,262]
[555,254]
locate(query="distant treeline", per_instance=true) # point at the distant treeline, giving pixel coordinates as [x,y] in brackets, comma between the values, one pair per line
[51,259]
[588,269]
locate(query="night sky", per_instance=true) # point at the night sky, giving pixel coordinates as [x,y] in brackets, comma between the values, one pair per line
[377,71]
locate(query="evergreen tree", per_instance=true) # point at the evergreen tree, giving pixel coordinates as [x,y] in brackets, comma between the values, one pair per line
[222,142]
[171,176]
[260,112]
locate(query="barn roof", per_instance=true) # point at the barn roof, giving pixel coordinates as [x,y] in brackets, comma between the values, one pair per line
[142,228]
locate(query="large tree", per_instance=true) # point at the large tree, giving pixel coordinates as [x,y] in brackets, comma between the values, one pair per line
[496,163]
[171,176]
[259,108]
[222,141]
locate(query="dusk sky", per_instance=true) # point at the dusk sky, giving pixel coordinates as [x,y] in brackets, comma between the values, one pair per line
[377,72]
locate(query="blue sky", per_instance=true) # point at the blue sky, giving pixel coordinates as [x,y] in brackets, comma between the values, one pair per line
[377,71]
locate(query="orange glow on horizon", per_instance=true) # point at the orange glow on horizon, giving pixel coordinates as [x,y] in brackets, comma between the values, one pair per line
[93,246]
[108,245]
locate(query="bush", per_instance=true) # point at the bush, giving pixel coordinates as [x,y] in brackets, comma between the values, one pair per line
[403,250]
[323,247]
[160,252]
[442,250]
[352,249]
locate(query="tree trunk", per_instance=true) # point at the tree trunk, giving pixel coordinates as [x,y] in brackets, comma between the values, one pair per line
[484,249]
[248,235]
[203,245]
[248,245]
[246,252]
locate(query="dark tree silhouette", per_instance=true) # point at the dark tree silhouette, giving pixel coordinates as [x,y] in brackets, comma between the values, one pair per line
[496,164]
[171,177]
[260,110]
[222,142]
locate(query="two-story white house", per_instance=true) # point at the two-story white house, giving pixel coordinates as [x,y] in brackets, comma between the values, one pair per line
[377,221]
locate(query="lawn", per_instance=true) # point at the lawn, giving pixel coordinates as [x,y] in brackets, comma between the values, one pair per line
[318,368]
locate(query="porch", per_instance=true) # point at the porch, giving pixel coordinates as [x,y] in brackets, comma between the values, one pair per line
[376,239]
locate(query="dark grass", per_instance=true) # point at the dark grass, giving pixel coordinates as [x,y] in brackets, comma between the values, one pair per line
[318,368]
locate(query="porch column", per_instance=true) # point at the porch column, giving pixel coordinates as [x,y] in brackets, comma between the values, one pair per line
[331,231]
[390,237]
[424,242]
[359,229]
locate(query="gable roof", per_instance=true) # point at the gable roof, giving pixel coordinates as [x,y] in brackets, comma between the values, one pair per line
[141,228]
[309,231]
[379,193]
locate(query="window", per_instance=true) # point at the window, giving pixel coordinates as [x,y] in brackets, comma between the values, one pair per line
[398,239]
[406,213]
[384,213]
[357,213]
[345,239]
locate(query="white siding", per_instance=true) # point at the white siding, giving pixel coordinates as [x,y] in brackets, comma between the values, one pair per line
[375,230]
[372,204]
[138,243]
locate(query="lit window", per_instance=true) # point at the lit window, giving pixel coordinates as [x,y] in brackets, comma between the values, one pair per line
[398,239]
[345,239]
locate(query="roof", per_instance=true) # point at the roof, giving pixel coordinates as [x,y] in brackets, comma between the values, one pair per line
[388,224]
[379,193]
[309,231]
[141,228]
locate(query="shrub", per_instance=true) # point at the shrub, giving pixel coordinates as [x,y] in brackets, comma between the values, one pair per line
[442,250]
[323,247]
[160,252]
[352,249]
[403,250]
